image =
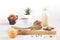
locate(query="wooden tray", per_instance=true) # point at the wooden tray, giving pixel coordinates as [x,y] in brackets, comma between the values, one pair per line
[27,31]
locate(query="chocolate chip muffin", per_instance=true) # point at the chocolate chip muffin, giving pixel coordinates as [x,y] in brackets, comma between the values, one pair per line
[12,19]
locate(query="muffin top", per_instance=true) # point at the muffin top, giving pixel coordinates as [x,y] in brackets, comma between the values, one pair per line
[13,17]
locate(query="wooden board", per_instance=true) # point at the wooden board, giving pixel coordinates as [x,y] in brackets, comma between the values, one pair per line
[42,32]
[27,31]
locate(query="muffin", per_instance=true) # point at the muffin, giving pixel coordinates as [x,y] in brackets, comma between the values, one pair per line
[12,33]
[36,25]
[12,19]
[37,22]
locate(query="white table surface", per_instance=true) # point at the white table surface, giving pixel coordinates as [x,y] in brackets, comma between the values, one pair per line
[4,36]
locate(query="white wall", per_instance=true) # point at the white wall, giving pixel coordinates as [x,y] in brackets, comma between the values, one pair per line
[17,7]
[54,11]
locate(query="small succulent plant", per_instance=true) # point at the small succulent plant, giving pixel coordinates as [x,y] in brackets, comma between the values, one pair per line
[27,11]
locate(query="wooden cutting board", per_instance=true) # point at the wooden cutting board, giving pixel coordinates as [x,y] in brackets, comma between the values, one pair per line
[27,31]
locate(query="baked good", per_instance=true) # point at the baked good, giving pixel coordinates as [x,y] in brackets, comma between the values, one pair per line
[36,25]
[37,22]
[12,33]
[12,19]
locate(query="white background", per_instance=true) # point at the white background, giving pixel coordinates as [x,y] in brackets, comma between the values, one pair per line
[8,7]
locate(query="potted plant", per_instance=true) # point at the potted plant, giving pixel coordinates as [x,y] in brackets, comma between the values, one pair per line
[26,16]
[27,12]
